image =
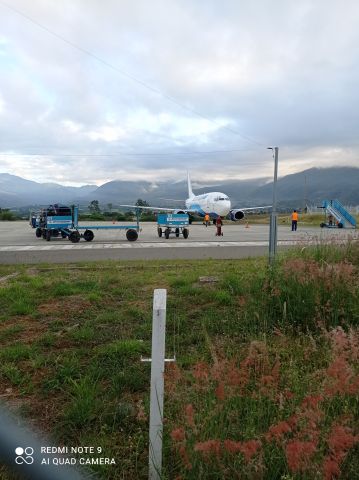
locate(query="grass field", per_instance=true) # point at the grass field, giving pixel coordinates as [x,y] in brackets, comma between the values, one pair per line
[266,383]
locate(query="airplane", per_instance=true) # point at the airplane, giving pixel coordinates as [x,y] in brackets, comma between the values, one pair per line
[216,204]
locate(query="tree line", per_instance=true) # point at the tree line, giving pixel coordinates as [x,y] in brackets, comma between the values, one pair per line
[107,212]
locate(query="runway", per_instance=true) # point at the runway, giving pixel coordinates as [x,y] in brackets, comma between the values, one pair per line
[18,243]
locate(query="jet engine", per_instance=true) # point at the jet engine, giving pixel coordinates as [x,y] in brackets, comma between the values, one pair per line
[179,212]
[236,215]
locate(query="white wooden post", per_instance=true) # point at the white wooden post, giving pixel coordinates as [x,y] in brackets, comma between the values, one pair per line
[157,383]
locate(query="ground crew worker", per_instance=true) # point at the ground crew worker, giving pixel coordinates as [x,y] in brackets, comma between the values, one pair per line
[219,224]
[330,219]
[206,220]
[294,220]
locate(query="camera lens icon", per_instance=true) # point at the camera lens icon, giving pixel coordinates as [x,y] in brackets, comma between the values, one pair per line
[24,455]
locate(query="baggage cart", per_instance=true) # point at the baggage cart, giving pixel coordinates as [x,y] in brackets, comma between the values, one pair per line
[172,224]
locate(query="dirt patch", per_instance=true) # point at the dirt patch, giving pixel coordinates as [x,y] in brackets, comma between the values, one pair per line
[32,272]
[66,306]
[141,304]
[32,329]
[3,280]
[13,402]
[205,286]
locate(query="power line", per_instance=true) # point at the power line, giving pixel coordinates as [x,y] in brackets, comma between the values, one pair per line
[126,74]
[211,152]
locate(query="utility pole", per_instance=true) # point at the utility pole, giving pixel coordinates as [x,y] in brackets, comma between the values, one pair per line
[273,216]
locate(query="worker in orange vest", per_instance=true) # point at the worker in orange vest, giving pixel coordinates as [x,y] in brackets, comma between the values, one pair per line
[294,220]
[206,220]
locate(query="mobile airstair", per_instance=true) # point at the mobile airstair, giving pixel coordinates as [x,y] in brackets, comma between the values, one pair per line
[342,217]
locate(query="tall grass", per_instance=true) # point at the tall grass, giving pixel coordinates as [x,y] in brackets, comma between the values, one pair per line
[284,404]
[255,415]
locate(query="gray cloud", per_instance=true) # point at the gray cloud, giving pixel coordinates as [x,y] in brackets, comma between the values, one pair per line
[278,72]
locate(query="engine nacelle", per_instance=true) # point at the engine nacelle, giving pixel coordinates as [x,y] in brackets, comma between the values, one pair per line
[179,212]
[236,215]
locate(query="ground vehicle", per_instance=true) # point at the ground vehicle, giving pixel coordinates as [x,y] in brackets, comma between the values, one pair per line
[173,223]
[60,220]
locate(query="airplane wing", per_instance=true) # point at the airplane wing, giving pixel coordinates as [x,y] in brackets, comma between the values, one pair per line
[172,200]
[253,208]
[149,208]
[239,213]
[159,209]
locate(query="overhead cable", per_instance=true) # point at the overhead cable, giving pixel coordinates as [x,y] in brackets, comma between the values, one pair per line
[128,75]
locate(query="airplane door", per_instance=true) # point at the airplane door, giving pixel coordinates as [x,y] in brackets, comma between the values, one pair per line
[208,206]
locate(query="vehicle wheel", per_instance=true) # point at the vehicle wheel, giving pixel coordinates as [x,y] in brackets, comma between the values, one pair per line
[177,232]
[38,232]
[131,235]
[322,225]
[340,225]
[48,235]
[159,231]
[185,233]
[89,235]
[167,233]
[74,237]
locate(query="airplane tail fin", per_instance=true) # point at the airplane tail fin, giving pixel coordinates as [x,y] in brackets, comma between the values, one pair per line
[190,193]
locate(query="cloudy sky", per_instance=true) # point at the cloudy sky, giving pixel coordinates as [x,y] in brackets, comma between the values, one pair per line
[92,91]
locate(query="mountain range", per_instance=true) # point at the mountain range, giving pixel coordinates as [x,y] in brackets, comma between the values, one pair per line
[308,187]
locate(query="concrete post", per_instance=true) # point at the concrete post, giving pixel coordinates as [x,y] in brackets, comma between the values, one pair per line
[157,383]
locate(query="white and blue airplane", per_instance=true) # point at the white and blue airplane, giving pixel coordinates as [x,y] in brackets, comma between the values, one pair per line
[215,204]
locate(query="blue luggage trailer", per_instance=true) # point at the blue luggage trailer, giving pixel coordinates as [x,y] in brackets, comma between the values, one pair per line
[57,220]
[172,224]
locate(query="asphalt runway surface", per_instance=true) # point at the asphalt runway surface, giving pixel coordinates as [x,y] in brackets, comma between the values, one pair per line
[18,243]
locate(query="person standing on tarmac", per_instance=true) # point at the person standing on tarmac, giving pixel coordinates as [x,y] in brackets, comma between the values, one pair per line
[294,220]
[219,224]
[206,220]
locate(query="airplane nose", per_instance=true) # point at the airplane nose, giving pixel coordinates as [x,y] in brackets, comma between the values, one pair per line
[225,208]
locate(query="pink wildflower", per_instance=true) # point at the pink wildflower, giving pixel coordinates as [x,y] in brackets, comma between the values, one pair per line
[276,432]
[208,447]
[189,412]
[178,434]
[299,454]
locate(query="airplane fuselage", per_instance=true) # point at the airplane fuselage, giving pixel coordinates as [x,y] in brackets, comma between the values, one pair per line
[214,203]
